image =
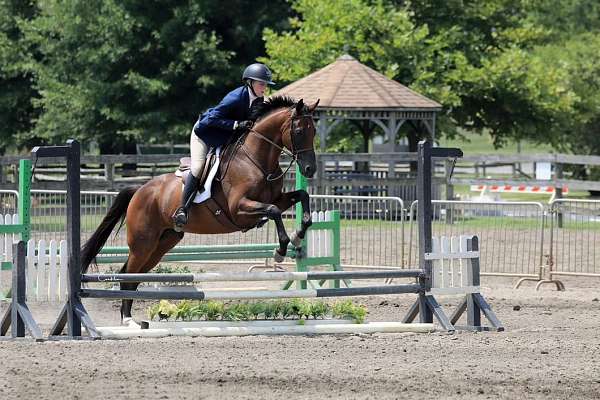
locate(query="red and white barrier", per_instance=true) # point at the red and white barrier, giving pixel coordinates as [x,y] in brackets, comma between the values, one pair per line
[516,189]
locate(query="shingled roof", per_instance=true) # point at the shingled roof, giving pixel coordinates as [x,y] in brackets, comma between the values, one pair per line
[348,84]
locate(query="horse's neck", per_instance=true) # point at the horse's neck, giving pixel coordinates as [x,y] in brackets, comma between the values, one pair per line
[264,152]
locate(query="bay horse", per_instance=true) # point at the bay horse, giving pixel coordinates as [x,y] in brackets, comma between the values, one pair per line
[250,189]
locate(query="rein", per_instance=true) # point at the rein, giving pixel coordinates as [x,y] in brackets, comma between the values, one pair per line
[293,154]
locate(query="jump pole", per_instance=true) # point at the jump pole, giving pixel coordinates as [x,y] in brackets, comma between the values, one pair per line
[284,329]
[251,276]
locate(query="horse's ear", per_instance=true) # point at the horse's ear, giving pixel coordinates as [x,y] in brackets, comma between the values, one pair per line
[300,107]
[312,107]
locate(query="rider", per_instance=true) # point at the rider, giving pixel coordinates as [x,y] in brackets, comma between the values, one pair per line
[215,127]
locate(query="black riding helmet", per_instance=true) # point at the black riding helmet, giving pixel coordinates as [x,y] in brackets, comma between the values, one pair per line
[258,72]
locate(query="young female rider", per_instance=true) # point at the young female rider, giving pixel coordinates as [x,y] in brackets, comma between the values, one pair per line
[217,125]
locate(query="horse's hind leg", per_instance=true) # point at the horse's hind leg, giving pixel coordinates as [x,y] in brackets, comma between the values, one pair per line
[139,254]
[126,304]
[167,241]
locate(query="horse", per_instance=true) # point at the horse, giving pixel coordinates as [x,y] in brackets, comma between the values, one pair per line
[249,191]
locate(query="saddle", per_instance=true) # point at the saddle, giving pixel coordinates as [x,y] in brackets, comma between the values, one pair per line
[186,162]
[211,203]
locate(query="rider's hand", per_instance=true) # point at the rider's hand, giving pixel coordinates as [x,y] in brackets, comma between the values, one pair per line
[243,126]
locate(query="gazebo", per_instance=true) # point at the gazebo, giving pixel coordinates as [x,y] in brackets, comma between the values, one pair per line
[349,90]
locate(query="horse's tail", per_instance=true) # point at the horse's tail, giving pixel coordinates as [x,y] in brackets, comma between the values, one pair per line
[117,211]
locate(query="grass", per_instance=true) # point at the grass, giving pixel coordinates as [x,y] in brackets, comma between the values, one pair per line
[473,144]
[491,223]
[51,223]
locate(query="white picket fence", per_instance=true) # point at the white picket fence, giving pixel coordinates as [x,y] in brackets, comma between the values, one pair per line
[46,265]
[453,271]
[320,241]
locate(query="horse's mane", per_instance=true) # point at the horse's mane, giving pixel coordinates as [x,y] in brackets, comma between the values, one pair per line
[272,104]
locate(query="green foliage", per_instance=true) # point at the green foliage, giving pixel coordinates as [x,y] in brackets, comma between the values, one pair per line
[184,309]
[239,25]
[579,57]
[237,312]
[296,308]
[163,310]
[133,71]
[16,111]
[211,310]
[566,18]
[198,310]
[348,310]
[319,309]
[381,35]
[274,309]
[472,57]
[167,269]
[117,71]
[256,309]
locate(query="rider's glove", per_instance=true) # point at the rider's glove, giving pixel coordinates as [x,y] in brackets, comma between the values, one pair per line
[242,126]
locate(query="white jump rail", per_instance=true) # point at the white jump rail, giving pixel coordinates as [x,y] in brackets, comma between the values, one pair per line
[308,329]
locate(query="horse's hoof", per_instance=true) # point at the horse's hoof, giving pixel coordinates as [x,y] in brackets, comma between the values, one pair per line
[129,322]
[278,257]
[296,240]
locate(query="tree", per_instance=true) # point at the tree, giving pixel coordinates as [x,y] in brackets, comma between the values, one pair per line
[122,71]
[472,57]
[16,110]
[580,58]
[239,25]
[566,18]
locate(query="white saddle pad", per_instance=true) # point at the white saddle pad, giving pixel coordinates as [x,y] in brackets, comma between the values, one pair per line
[205,195]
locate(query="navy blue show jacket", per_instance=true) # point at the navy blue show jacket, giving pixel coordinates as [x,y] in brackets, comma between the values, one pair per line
[215,126]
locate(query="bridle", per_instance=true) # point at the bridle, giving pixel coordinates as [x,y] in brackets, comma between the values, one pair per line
[294,131]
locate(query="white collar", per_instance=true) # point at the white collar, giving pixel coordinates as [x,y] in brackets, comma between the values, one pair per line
[251,97]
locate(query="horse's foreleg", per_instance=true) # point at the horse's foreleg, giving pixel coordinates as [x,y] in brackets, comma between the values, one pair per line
[286,201]
[271,211]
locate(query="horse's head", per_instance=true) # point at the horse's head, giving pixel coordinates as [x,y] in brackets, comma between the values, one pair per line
[300,137]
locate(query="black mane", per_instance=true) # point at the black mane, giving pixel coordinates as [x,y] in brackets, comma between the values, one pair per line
[271,104]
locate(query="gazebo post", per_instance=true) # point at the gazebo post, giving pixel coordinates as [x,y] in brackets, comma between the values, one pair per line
[322,131]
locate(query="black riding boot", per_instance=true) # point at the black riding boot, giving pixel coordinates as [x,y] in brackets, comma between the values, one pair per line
[180,218]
